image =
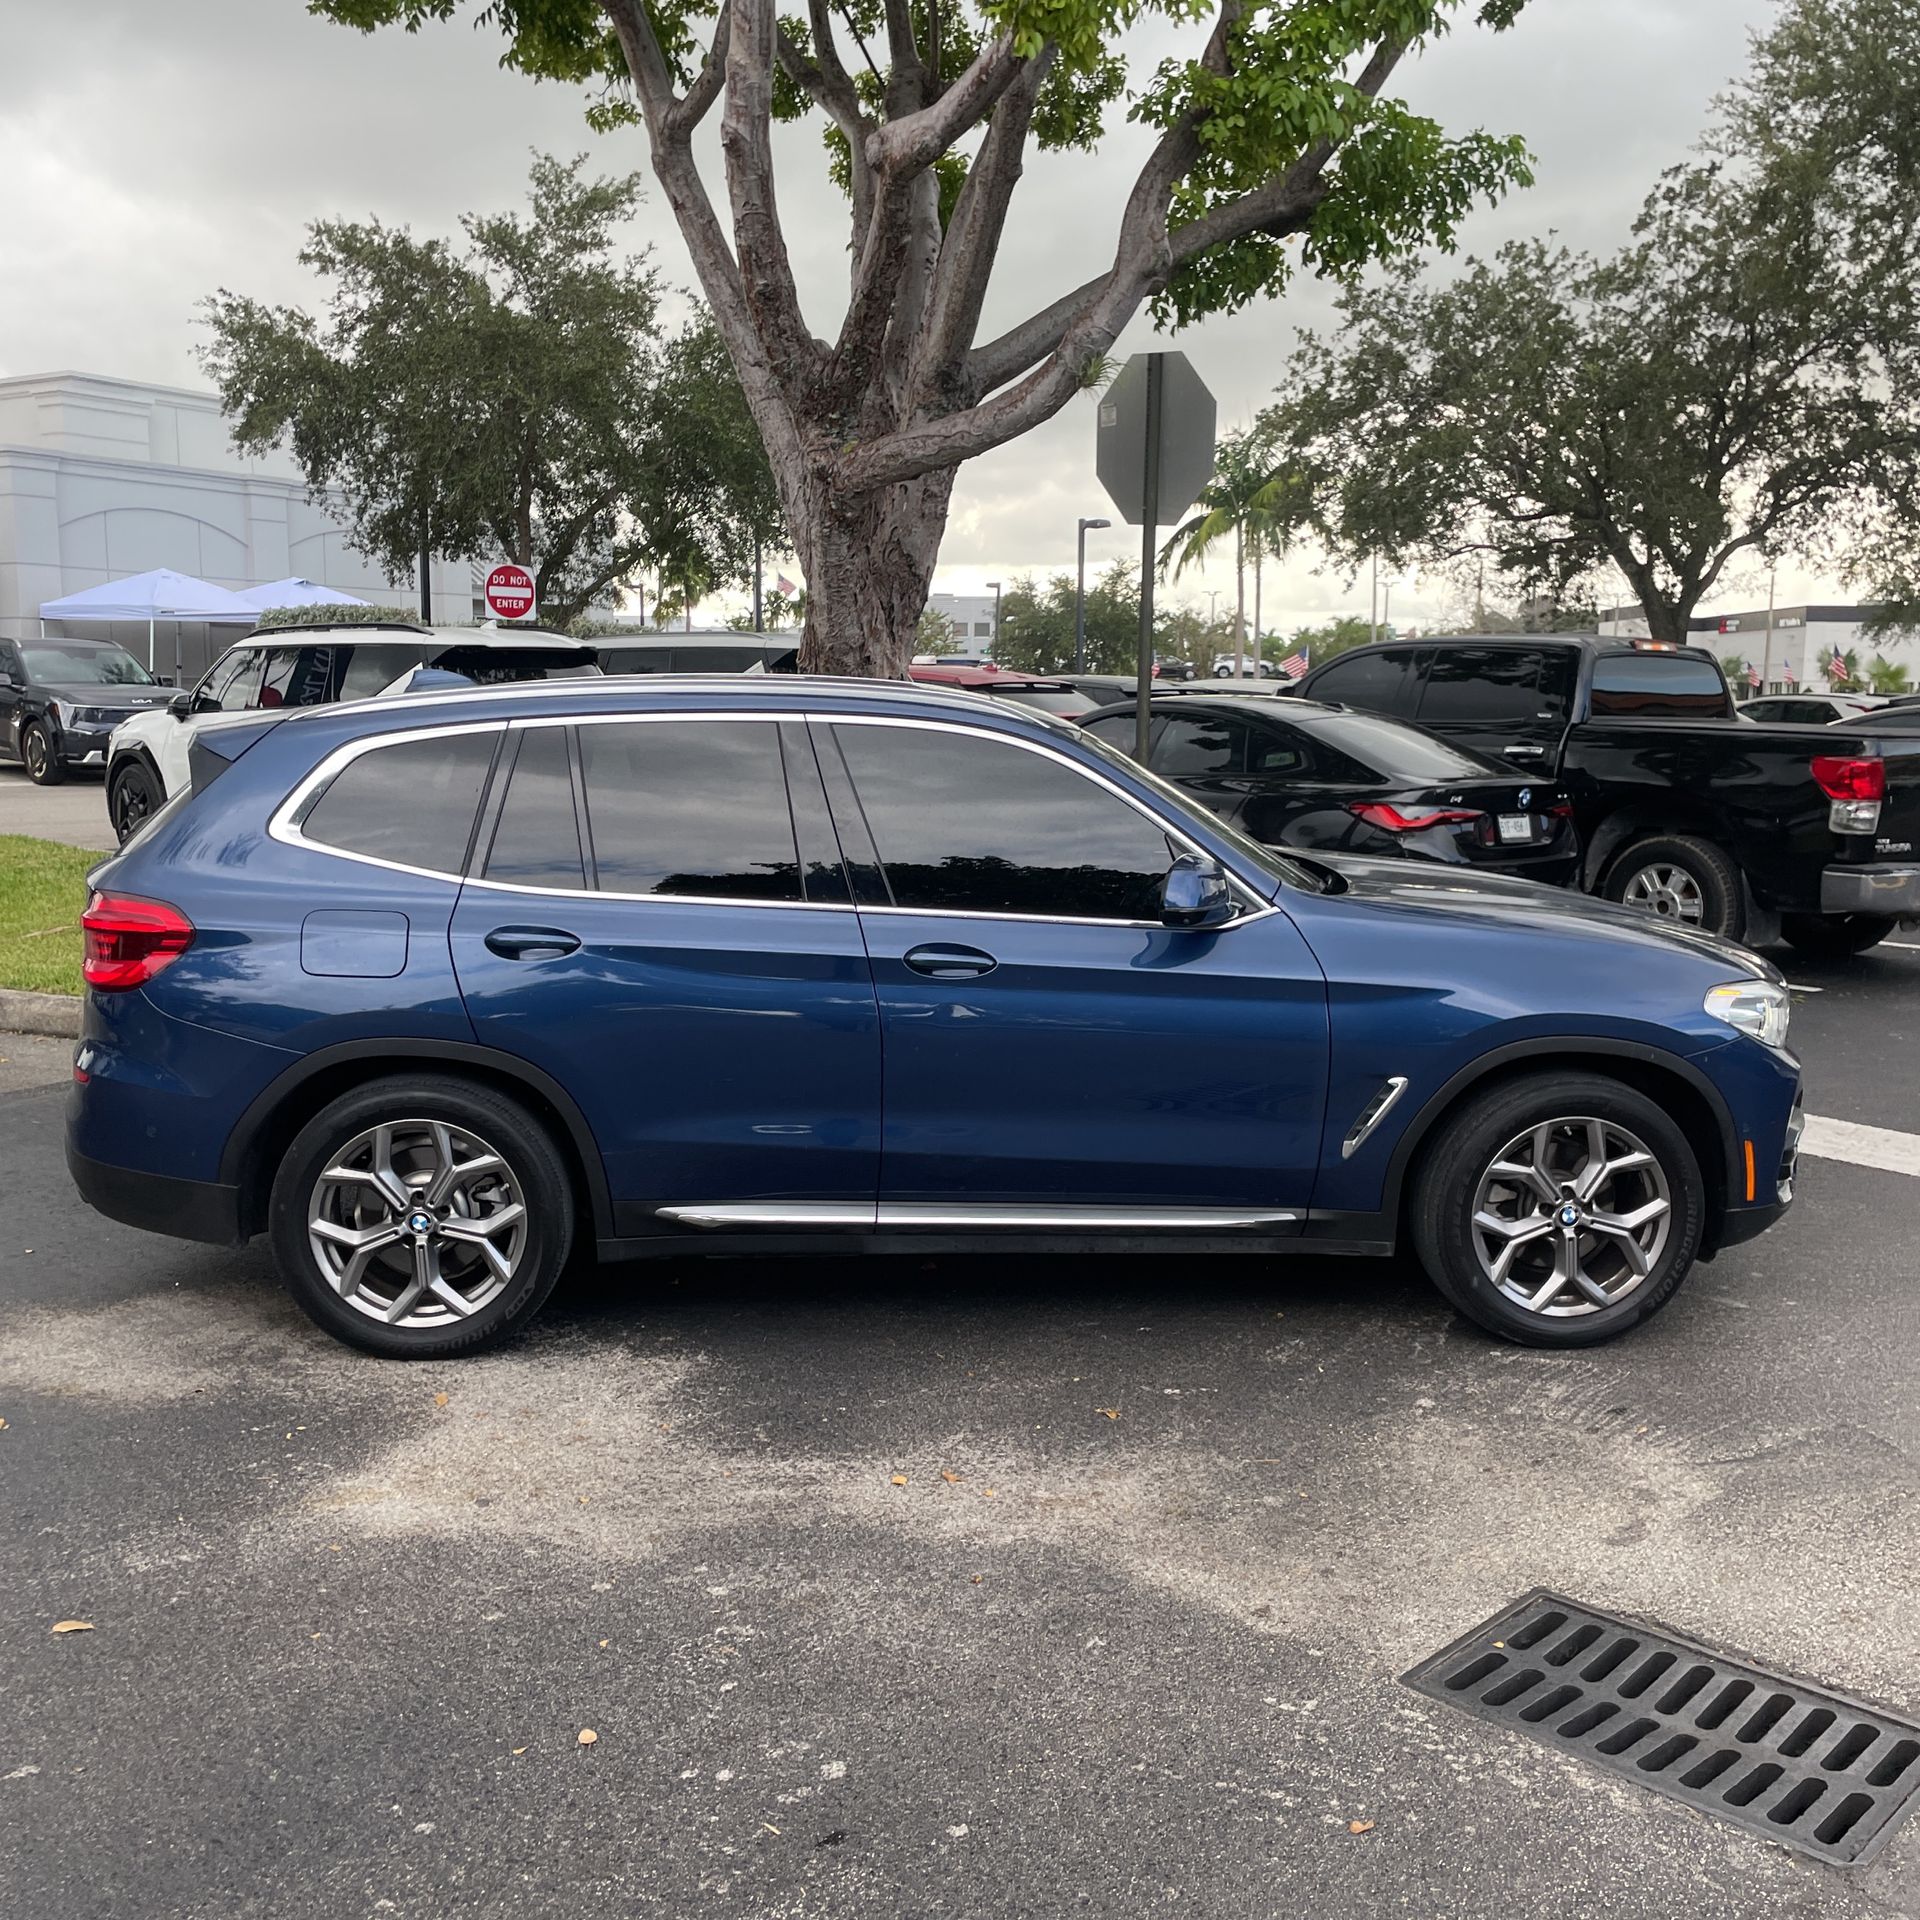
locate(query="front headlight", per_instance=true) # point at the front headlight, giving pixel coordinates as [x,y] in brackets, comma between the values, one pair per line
[62,711]
[1756,1007]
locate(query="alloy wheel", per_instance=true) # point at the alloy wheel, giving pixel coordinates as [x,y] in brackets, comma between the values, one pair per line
[35,751]
[1669,891]
[417,1223]
[130,807]
[1571,1217]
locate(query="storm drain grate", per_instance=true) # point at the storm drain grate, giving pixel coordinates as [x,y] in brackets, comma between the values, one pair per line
[1812,1770]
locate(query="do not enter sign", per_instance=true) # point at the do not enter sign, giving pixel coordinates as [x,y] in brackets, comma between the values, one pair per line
[509,592]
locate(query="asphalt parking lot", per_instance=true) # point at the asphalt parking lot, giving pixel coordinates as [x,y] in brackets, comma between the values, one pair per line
[74,812]
[1125,1641]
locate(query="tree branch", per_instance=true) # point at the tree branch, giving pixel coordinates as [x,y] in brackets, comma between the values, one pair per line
[828,86]
[688,112]
[906,78]
[915,140]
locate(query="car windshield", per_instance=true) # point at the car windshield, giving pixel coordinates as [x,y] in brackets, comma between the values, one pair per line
[1262,859]
[57,666]
[1395,749]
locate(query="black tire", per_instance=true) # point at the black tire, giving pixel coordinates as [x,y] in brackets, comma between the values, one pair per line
[1711,873]
[133,797]
[1447,1188]
[40,755]
[1833,936]
[530,1161]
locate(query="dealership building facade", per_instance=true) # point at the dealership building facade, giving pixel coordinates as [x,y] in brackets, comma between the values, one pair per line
[101,478]
[1788,645]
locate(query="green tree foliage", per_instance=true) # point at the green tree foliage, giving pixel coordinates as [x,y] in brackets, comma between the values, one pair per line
[1889,676]
[1036,625]
[1742,379]
[510,398]
[1269,142]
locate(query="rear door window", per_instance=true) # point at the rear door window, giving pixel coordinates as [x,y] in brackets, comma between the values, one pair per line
[1197,744]
[691,808]
[372,670]
[1486,686]
[1656,686]
[536,841]
[411,804]
[299,677]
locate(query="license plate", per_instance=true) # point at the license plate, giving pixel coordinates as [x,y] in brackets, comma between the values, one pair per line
[1515,826]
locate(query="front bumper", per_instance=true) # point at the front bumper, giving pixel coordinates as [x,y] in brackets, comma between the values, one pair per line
[158,1202]
[85,746]
[1880,890]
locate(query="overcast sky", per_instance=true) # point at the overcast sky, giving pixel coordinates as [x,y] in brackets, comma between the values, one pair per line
[154,152]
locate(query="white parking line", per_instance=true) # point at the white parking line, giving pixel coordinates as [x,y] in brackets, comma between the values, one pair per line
[1861,1146]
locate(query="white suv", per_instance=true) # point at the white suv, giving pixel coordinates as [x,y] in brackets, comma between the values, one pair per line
[311,667]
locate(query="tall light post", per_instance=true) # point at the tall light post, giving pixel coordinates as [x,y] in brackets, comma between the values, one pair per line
[994,643]
[1080,598]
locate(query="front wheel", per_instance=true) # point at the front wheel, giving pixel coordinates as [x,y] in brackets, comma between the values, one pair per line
[44,766]
[1559,1210]
[1833,936]
[422,1216]
[1679,877]
[133,797]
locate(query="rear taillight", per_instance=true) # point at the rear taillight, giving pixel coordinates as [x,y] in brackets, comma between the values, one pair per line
[130,940]
[1377,813]
[1846,779]
[1855,787]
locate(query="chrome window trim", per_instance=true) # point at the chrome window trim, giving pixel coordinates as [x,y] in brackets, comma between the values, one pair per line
[896,1213]
[284,822]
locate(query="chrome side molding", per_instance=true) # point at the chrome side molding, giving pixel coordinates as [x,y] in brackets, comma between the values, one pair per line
[966,1216]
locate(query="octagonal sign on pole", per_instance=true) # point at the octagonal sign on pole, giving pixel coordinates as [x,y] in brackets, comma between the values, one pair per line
[1153,452]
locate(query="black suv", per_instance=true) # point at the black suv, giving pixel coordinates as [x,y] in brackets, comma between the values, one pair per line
[60,699]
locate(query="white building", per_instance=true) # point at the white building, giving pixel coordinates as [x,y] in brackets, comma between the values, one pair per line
[100,478]
[972,616]
[1789,646]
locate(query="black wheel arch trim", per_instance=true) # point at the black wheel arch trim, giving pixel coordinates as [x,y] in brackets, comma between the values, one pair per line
[1517,1053]
[145,758]
[425,1053]
[1621,829]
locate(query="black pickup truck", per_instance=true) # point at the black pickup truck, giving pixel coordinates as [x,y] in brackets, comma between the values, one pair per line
[1811,834]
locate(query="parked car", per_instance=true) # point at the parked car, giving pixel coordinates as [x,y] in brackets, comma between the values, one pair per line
[1682,812]
[1888,719]
[720,651]
[1292,773]
[1023,689]
[1810,709]
[955,660]
[60,699]
[427,988]
[1175,670]
[276,667]
[1256,668]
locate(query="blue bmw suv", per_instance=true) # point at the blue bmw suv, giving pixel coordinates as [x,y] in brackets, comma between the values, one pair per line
[432,990]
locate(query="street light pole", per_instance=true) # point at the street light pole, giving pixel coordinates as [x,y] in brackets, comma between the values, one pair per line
[1080,598]
[993,645]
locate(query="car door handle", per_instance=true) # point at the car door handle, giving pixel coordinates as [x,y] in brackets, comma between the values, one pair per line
[950,963]
[532,943]
[1525,753]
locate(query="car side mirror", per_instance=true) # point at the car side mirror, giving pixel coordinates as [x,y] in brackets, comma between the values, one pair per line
[1195,893]
[181,706]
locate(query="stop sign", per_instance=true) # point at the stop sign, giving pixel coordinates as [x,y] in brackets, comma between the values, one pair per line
[509,592]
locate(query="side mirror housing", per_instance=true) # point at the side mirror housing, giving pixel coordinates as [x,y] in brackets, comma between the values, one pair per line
[1195,893]
[181,706]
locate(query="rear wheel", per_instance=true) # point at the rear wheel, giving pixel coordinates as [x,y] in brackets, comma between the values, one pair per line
[1832,936]
[1681,878]
[44,766]
[422,1216]
[1559,1210]
[133,796]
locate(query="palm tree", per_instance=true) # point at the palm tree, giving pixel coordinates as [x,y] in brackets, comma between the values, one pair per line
[1249,498]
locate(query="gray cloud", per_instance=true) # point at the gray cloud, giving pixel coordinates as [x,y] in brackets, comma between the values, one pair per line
[155,153]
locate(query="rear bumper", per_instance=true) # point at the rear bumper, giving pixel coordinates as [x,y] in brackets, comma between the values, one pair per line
[1883,890]
[158,1202]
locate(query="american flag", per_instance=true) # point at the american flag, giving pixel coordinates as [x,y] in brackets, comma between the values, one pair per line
[781,584]
[1836,668]
[1753,674]
[1787,674]
[1295,664]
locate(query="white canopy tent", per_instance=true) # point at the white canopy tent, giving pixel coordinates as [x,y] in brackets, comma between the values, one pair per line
[160,594]
[297,593]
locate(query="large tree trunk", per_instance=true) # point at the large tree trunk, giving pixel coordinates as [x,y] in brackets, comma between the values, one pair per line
[869,560]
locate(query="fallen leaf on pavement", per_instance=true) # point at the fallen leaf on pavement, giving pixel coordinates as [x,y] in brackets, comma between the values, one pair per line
[951,1478]
[440,1399]
[1111,1413]
[1359,1826]
[73,1626]
[606,1643]
[519,1749]
[588,1736]
[989,1493]
[899,1479]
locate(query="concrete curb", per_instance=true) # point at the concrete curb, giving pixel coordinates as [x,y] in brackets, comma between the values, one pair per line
[54,1014]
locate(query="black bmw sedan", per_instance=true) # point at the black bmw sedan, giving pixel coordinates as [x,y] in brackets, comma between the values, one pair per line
[1293,773]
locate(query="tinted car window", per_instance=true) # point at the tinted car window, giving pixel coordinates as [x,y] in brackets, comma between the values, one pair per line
[298,677]
[372,670]
[696,808]
[1496,686]
[412,803]
[241,686]
[1200,743]
[723,658]
[1390,750]
[1656,685]
[1067,700]
[537,840]
[1378,680]
[1116,729]
[974,825]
